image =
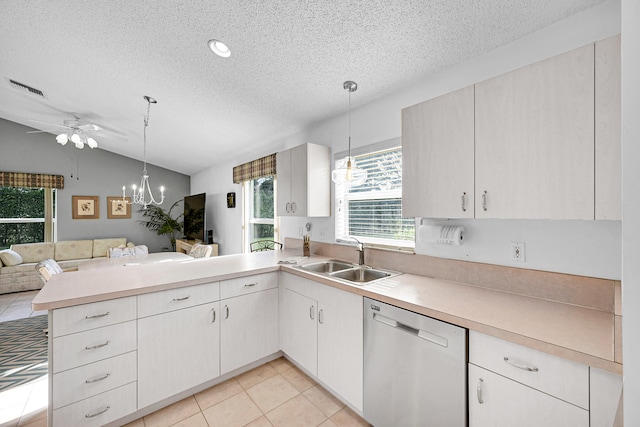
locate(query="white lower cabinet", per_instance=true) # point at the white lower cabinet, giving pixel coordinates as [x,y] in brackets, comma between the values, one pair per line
[497,401]
[512,385]
[248,328]
[322,330]
[177,350]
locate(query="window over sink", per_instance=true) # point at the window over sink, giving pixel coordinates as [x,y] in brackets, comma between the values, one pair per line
[372,212]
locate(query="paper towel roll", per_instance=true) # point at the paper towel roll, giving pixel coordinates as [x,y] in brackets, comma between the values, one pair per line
[443,234]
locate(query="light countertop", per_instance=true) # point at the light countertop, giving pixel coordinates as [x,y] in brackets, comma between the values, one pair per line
[577,333]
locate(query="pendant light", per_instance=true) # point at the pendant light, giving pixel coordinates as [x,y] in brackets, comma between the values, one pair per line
[347,173]
[142,195]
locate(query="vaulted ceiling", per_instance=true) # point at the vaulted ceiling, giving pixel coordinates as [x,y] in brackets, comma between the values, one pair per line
[95,60]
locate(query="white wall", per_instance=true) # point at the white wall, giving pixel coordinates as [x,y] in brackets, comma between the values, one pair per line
[595,253]
[631,209]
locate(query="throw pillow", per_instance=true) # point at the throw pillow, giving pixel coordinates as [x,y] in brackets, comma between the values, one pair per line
[10,257]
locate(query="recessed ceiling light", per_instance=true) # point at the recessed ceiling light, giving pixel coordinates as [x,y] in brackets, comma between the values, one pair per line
[219,48]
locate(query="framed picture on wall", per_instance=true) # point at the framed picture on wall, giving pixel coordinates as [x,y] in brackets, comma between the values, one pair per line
[85,207]
[117,207]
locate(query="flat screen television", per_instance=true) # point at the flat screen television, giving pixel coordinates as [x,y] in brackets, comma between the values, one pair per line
[194,217]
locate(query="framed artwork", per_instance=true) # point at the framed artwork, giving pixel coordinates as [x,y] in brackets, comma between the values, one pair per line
[118,208]
[85,207]
[231,200]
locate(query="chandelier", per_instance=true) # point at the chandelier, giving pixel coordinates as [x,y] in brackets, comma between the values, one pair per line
[347,173]
[142,195]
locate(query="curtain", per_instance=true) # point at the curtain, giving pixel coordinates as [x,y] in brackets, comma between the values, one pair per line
[31,180]
[264,166]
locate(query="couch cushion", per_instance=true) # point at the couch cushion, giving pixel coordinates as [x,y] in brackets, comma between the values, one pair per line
[100,246]
[139,250]
[10,257]
[35,252]
[73,249]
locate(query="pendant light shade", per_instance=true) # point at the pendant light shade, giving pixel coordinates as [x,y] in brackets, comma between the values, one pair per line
[347,173]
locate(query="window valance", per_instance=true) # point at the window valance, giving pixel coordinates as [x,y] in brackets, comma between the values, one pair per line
[265,166]
[31,180]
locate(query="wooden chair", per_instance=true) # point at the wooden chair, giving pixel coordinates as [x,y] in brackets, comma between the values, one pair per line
[265,245]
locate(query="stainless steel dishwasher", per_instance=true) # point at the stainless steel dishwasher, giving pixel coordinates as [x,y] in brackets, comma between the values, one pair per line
[415,369]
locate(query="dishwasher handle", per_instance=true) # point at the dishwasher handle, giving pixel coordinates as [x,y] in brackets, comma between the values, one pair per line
[420,333]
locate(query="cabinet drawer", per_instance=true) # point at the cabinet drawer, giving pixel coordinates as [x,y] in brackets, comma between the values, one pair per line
[249,284]
[71,351]
[92,379]
[553,375]
[98,410]
[176,299]
[94,315]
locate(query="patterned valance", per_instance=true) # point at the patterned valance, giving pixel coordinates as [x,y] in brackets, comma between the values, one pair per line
[264,166]
[30,180]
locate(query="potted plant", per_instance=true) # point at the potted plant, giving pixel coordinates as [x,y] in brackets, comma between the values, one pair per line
[162,222]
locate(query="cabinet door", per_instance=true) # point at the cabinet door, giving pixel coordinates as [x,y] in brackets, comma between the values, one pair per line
[340,343]
[535,140]
[283,202]
[248,329]
[299,180]
[438,157]
[496,401]
[177,351]
[299,338]
[608,129]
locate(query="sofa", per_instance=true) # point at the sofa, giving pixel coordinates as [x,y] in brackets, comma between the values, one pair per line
[18,264]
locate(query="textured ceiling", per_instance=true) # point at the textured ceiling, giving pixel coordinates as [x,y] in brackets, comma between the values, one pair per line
[97,59]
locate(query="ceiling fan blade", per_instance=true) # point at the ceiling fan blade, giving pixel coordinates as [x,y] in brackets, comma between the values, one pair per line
[50,124]
[88,127]
[41,131]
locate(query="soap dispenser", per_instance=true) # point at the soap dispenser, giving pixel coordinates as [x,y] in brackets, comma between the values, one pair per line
[305,246]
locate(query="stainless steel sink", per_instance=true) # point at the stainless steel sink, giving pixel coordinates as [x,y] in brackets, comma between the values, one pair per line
[361,274]
[354,274]
[330,266]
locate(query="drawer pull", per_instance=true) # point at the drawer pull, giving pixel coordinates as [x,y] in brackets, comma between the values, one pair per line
[248,285]
[182,299]
[226,307]
[484,201]
[214,315]
[464,205]
[321,316]
[97,316]
[94,347]
[99,412]
[520,365]
[97,379]
[479,391]
[311,313]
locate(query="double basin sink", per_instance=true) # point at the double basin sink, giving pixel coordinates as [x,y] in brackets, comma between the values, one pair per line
[352,273]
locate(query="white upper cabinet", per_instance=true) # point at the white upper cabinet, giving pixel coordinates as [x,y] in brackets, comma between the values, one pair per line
[303,181]
[438,160]
[608,130]
[540,142]
[534,140]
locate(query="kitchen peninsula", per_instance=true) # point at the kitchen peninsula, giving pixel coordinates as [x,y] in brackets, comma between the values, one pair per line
[87,308]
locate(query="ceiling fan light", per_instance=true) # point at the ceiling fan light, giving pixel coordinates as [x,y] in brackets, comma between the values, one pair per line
[92,143]
[63,138]
[75,138]
[79,145]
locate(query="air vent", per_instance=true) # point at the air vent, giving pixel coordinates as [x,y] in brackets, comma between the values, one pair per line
[34,91]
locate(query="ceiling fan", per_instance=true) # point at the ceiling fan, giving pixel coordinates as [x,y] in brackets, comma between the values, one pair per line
[76,131]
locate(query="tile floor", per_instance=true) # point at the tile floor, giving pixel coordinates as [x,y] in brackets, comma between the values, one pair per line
[276,394]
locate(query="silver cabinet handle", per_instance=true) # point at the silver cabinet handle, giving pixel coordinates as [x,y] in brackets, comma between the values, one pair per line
[99,412]
[248,285]
[521,365]
[94,347]
[320,316]
[484,201]
[463,201]
[311,312]
[182,299]
[293,207]
[97,316]
[97,379]
[226,307]
[214,315]
[479,391]
[286,207]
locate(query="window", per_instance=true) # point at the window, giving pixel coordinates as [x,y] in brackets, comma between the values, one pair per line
[372,212]
[259,208]
[27,215]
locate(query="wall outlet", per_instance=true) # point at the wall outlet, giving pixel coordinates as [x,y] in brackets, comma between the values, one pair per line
[517,252]
[300,231]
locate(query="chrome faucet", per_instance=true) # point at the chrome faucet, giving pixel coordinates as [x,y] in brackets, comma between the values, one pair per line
[360,249]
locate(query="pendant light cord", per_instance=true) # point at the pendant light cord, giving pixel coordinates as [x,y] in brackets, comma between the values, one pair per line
[144,136]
